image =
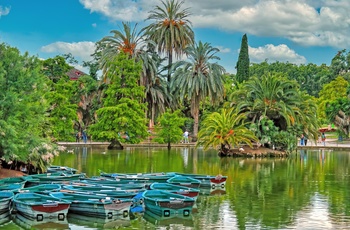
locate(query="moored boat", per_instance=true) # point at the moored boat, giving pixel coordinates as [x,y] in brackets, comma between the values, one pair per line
[38,206]
[95,205]
[177,189]
[184,181]
[5,201]
[11,183]
[100,190]
[62,169]
[144,177]
[165,204]
[44,178]
[207,180]
[41,188]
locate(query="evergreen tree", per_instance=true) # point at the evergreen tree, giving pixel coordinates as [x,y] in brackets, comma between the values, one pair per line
[243,61]
[122,117]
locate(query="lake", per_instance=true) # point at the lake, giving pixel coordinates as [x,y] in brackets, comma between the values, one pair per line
[308,190]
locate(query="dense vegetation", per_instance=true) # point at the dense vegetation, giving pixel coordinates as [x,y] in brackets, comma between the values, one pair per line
[273,103]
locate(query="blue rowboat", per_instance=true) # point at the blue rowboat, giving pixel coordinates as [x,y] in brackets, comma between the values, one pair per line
[62,169]
[12,183]
[206,180]
[41,188]
[5,201]
[99,190]
[39,207]
[99,222]
[166,204]
[95,205]
[144,177]
[177,189]
[184,181]
[122,184]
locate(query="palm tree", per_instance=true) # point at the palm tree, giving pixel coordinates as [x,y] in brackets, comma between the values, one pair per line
[171,30]
[223,130]
[197,79]
[276,98]
[129,41]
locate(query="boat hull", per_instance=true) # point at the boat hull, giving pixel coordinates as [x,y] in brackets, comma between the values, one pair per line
[39,207]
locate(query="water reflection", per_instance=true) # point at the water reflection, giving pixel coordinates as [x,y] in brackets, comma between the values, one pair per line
[276,193]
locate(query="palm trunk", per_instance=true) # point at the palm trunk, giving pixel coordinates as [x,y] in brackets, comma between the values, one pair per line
[170,62]
[195,115]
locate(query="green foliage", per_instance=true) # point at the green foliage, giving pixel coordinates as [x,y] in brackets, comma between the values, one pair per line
[122,110]
[22,108]
[331,92]
[55,68]
[225,128]
[265,130]
[169,127]
[243,61]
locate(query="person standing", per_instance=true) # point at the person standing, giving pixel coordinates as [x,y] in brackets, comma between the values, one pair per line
[84,136]
[323,138]
[186,137]
[302,139]
[77,137]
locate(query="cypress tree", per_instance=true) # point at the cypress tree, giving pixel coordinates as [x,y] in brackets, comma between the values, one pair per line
[243,61]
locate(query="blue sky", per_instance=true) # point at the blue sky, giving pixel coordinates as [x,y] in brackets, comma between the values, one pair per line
[295,31]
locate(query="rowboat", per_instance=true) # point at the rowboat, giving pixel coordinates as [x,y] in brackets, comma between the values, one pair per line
[62,169]
[11,183]
[144,177]
[95,205]
[38,206]
[26,223]
[184,181]
[45,178]
[5,201]
[207,180]
[166,204]
[177,189]
[99,190]
[41,188]
[122,184]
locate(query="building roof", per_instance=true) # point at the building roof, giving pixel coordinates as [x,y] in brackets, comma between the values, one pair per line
[74,74]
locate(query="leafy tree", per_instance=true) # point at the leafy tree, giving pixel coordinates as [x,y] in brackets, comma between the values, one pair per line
[62,111]
[171,30]
[198,79]
[330,92]
[55,68]
[243,61]
[225,129]
[122,111]
[23,109]
[338,112]
[169,127]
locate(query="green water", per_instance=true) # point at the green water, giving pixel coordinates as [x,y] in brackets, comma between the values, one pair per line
[309,190]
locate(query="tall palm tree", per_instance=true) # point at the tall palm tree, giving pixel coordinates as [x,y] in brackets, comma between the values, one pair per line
[171,30]
[197,78]
[225,129]
[132,42]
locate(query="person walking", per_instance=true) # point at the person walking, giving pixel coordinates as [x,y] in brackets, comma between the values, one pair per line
[186,137]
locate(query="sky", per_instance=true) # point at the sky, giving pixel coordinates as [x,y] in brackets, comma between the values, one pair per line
[294,31]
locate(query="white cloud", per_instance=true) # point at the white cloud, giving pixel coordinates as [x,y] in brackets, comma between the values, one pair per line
[4,11]
[223,49]
[281,53]
[305,22]
[82,50]
[124,10]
